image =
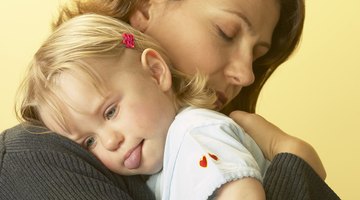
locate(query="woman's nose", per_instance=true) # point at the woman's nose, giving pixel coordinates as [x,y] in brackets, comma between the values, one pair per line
[240,72]
[111,140]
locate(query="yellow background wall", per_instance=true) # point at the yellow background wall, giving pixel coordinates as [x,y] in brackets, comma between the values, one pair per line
[314,96]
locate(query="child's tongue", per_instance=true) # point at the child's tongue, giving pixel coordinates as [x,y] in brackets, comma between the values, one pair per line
[134,160]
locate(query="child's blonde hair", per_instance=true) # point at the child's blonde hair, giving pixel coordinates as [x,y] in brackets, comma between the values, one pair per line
[89,36]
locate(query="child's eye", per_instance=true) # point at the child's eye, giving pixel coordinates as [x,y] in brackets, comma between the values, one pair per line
[89,142]
[110,113]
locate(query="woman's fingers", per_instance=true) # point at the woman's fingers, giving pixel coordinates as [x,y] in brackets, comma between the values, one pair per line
[273,140]
[263,132]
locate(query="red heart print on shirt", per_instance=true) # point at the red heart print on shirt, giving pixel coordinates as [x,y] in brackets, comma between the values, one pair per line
[203,162]
[213,156]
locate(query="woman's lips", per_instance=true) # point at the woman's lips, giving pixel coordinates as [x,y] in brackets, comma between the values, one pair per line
[133,158]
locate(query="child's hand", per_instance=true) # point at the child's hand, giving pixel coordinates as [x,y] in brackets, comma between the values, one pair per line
[273,141]
[245,188]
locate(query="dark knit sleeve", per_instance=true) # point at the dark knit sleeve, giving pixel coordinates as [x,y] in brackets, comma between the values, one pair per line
[48,166]
[290,177]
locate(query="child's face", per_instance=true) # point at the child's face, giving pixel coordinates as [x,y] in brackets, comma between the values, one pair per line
[220,37]
[126,127]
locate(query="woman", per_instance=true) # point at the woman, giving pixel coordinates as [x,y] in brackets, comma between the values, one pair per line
[237,44]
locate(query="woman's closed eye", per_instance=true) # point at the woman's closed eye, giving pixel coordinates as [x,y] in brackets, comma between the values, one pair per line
[227,37]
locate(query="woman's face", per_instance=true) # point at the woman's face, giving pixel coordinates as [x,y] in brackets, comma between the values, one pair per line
[220,38]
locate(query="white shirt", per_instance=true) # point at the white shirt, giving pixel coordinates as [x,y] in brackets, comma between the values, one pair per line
[205,149]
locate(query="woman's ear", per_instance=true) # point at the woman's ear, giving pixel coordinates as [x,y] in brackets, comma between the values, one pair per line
[139,19]
[152,61]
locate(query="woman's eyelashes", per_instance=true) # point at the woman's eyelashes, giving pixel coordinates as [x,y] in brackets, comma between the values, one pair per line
[111,112]
[225,36]
[229,32]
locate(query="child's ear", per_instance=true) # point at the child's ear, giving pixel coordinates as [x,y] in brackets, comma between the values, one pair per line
[139,19]
[152,60]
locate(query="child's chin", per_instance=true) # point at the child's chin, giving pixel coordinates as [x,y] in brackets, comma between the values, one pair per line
[153,170]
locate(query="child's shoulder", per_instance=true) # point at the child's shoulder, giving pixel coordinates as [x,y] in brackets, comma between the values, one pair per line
[199,113]
[192,117]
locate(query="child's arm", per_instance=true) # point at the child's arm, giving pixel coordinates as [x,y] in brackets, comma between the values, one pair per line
[273,141]
[246,188]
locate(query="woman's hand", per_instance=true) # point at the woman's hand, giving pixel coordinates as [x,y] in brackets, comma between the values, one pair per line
[273,141]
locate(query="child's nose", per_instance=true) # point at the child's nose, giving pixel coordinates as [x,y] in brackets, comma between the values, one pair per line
[111,140]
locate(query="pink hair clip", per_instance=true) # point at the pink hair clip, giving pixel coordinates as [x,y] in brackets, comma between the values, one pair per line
[128,40]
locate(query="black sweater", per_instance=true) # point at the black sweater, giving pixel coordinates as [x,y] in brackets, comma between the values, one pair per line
[49,166]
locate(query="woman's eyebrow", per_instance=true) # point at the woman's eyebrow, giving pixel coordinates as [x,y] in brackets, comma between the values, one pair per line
[243,17]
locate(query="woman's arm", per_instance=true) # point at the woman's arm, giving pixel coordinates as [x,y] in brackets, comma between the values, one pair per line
[38,165]
[273,141]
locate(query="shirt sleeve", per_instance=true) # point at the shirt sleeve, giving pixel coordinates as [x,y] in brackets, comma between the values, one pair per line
[208,157]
